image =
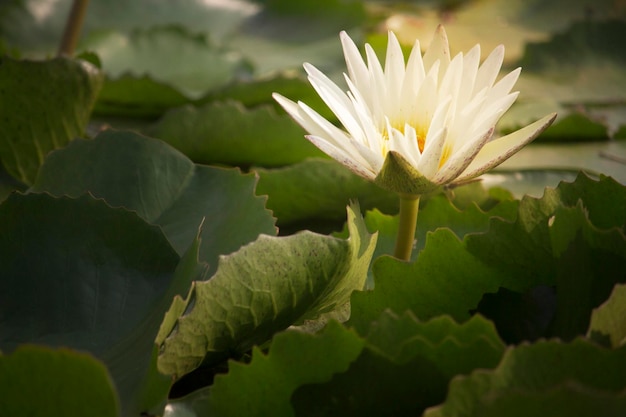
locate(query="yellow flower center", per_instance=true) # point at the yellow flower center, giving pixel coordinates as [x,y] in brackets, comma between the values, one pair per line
[420,132]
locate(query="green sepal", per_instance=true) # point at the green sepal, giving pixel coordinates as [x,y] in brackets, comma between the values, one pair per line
[399,176]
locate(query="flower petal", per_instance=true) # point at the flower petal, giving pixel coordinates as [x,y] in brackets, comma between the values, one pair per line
[438,50]
[461,158]
[429,161]
[369,173]
[501,149]
[490,68]
[357,70]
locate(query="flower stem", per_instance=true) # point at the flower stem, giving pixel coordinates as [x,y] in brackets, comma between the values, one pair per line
[72,27]
[409,205]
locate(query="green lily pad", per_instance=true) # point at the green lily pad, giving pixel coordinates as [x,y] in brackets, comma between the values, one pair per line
[263,288]
[265,386]
[538,248]
[579,378]
[445,279]
[258,91]
[43,106]
[404,368]
[164,187]
[318,189]
[137,96]
[101,280]
[227,133]
[39,381]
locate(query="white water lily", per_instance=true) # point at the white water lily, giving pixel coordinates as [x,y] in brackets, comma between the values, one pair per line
[411,128]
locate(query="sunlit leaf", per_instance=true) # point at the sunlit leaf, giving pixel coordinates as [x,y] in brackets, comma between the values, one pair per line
[610,318]
[265,386]
[261,289]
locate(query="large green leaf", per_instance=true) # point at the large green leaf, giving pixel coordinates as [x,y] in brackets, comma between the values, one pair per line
[227,133]
[318,189]
[577,379]
[79,273]
[523,248]
[405,367]
[263,288]
[37,381]
[257,91]
[43,106]
[164,187]
[551,243]
[265,386]
[445,279]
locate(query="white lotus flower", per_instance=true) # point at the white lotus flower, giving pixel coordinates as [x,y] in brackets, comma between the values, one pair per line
[411,128]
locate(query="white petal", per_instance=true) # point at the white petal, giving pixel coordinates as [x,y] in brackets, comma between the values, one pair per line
[401,143]
[504,86]
[414,74]
[303,119]
[490,114]
[343,158]
[394,68]
[489,70]
[470,69]
[356,66]
[377,84]
[460,159]
[501,149]
[429,162]
[336,100]
[438,50]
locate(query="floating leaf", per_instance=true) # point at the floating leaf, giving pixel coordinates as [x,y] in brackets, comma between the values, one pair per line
[79,273]
[265,386]
[39,381]
[164,187]
[259,90]
[227,133]
[263,288]
[525,256]
[405,367]
[578,379]
[318,189]
[43,106]
[137,96]
[445,279]
[610,318]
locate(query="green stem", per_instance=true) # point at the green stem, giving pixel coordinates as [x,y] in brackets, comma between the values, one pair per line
[409,205]
[72,28]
